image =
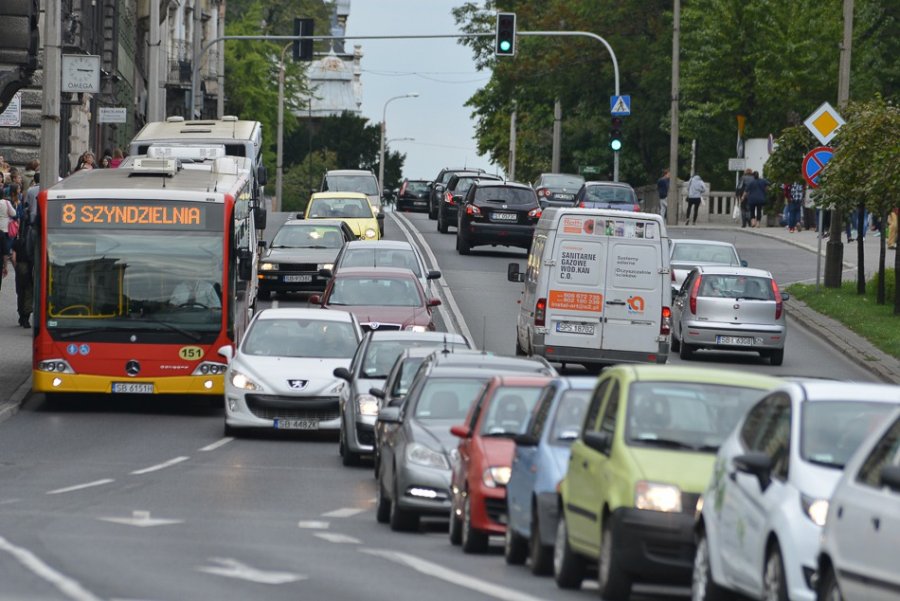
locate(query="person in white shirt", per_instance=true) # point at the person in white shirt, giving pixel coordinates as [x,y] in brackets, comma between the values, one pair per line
[197,293]
[696,189]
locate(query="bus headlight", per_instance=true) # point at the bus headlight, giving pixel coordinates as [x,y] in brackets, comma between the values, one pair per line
[57,366]
[210,368]
[370,233]
[268,267]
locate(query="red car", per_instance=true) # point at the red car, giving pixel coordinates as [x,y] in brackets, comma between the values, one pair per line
[485,453]
[381,298]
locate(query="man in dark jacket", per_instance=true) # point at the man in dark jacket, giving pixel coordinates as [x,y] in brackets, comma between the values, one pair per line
[756,198]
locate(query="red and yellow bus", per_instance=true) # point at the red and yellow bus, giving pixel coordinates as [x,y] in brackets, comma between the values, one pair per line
[143,273]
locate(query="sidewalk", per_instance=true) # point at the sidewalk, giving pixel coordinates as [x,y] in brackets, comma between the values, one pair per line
[15,352]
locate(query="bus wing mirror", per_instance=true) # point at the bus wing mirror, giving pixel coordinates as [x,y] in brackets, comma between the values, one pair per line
[259,216]
[245,270]
[513,274]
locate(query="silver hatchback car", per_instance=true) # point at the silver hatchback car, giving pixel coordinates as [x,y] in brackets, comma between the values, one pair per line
[729,308]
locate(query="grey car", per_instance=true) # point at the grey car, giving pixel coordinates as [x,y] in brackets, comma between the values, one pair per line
[386,253]
[557,189]
[684,255]
[732,309]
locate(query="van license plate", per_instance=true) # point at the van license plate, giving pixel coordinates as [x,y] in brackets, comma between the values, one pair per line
[296,424]
[574,327]
[132,387]
[297,279]
[504,217]
[735,340]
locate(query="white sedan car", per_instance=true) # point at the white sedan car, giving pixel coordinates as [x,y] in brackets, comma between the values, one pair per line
[763,511]
[282,374]
[859,544]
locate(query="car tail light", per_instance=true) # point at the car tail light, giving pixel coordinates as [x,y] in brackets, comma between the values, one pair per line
[535,213]
[403,189]
[448,198]
[473,211]
[779,304]
[665,326]
[540,312]
[695,289]
[672,271]
[581,205]
[637,208]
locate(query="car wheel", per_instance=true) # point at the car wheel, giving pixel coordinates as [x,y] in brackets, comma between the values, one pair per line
[455,528]
[462,247]
[264,295]
[686,351]
[432,212]
[441,223]
[382,505]
[774,583]
[520,352]
[675,345]
[472,540]
[230,431]
[703,588]
[828,589]
[776,357]
[401,520]
[348,458]
[515,547]
[541,554]
[612,580]
[568,566]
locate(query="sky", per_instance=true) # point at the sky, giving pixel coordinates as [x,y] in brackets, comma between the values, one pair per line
[440,70]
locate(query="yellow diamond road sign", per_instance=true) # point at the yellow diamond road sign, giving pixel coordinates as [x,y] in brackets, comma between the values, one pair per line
[824,123]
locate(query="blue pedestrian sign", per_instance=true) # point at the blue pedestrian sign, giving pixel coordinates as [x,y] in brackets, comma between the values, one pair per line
[620,106]
[814,163]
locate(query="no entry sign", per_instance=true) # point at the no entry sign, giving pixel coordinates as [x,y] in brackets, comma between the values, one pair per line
[814,163]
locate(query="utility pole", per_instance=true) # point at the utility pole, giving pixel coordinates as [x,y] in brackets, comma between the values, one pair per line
[674,191]
[220,68]
[153,112]
[50,110]
[511,172]
[279,158]
[557,135]
[834,249]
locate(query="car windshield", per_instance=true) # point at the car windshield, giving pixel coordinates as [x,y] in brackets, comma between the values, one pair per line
[404,378]
[284,337]
[685,415]
[572,182]
[703,253]
[381,354]
[610,194]
[831,431]
[447,398]
[416,188]
[364,184]
[737,287]
[509,410]
[375,291]
[569,417]
[308,236]
[505,195]
[339,208]
[381,257]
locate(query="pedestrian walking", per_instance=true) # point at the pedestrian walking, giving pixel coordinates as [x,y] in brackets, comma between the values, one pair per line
[696,190]
[662,189]
[756,198]
[7,222]
[795,195]
[743,195]
[23,262]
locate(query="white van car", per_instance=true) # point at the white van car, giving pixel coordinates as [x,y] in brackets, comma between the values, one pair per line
[597,289]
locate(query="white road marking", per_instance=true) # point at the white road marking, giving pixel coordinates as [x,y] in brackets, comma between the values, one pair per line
[275,304]
[141,519]
[343,512]
[453,577]
[71,589]
[159,466]
[340,539]
[217,444]
[232,568]
[60,491]
[313,525]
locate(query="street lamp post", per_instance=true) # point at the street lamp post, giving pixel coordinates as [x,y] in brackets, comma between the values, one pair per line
[381,152]
[279,158]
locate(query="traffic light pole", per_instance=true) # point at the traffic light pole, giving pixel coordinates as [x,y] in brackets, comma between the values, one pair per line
[50,116]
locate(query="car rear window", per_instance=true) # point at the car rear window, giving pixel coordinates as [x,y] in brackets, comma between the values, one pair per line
[509,196]
[610,194]
[416,188]
[365,184]
[381,257]
[380,291]
[563,181]
[340,208]
[736,286]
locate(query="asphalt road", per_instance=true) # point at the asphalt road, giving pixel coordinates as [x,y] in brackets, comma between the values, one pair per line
[144,499]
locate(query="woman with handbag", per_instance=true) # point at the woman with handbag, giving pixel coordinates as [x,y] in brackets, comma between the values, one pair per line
[8,224]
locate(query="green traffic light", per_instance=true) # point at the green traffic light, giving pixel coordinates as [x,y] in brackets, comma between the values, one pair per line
[505,46]
[616,145]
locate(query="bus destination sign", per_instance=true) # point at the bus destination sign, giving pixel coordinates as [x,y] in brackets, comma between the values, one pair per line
[127,214]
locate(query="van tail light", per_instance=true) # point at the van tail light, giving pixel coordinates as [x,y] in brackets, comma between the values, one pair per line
[535,213]
[695,289]
[779,304]
[672,271]
[665,325]
[448,198]
[637,208]
[540,312]
[473,211]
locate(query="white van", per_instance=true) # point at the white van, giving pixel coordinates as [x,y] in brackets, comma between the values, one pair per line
[597,289]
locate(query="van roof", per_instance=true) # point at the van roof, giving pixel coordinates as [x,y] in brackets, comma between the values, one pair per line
[551,216]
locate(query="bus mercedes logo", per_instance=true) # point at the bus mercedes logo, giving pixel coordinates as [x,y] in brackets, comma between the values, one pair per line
[132,368]
[374,325]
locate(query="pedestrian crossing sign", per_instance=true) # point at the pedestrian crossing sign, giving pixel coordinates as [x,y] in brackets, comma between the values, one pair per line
[620,106]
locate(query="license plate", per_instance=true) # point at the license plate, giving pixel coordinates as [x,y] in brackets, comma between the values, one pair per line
[574,327]
[564,196]
[133,387]
[735,340]
[296,424]
[504,217]
[419,203]
[293,279]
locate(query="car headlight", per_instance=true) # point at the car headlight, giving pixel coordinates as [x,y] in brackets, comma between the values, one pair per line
[239,380]
[335,388]
[496,476]
[370,233]
[368,405]
[328,266]
[268,267]
[416,329]
[815,509]
[654,496]
[419,454]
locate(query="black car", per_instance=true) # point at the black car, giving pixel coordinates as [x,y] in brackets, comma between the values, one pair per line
[413,195]
[497,213]
[438,185]
[454,192]
[607,195]
[299,250]
[557,189]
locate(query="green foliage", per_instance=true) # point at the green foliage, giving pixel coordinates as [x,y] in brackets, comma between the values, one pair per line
[305,177]
[785,163]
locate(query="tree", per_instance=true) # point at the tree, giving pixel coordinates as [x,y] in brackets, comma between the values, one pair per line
[302,179]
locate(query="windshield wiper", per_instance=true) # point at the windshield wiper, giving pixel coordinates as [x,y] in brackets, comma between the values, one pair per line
[192,335]
[83,332]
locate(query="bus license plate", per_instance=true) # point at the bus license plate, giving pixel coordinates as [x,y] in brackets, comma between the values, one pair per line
[133,387]
[735,340]
[574,327]
[297,279]
[504,216]
[296,424]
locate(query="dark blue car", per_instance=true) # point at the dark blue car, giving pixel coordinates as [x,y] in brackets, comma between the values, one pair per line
[607,195]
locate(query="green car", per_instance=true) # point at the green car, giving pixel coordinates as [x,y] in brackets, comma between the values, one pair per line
[636,472]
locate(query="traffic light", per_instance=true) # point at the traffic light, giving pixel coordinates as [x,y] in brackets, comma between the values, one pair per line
[506,34]
[19,39]
[615,134]
[303,49]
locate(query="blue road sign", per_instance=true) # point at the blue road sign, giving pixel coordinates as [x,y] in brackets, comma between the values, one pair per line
[814,163]
[620,106]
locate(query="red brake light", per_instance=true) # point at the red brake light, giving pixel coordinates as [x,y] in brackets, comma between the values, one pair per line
[665,326]
[540,312]
[545,192]
[449,198]
[535,213]
[779,304]
[694,290]
[581,205]
[473,211]
[637,208]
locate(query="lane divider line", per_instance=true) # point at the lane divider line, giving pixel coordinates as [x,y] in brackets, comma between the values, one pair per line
[70,588]
[60,491]
[159,466]
[343,512]
[340,539]
[411,233]
[218,444]
[312,525]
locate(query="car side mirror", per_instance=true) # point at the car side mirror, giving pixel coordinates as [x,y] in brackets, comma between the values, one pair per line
[342,373]
[245,270]
[315,299]
[227,352]
[377,392]
[599,441]
[434,274]
[325,273]
[379,216]
[755,463]
[434,302]
[744,263]
[460,431]
[513,274]
[785,296]
[259,217]
[526,440]
[890,477]
[389,415]
[438,187]
[301,215]
[262,244]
